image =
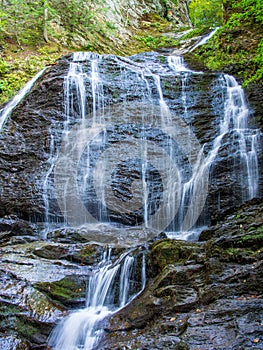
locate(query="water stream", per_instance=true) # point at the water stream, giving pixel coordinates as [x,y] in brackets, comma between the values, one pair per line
[145,137]
[130,166]
[110,135]
[7,110]
[110,287]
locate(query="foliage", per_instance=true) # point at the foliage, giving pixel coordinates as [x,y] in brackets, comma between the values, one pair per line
[206,12]
[14,72]
[247,11]
[196,32]
[154,42]
[31,22]
[230,47]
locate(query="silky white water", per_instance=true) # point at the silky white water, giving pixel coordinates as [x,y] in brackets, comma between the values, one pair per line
[94,157]
[110,287]
[7,110]
[93,151]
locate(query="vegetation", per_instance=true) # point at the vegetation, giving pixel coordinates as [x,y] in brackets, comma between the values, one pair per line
[206,12]
[34,34]
[230,45]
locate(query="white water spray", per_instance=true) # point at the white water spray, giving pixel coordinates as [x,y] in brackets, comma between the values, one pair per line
[7,110]
[110,288]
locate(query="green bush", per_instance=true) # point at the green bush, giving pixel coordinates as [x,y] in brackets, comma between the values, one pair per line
[206,12]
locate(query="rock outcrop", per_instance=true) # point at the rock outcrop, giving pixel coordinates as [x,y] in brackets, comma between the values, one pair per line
[202,295]
[32,136]
[199,295]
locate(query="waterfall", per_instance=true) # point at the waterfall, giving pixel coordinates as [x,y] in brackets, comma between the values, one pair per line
[129,159]
[234,120]
[110,286]
[236,114]
[94,134]
[7,110]
[204,40]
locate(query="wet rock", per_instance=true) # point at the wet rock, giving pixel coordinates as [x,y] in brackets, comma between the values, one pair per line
[14,230]
[39,282]
[203,295]
[169,251]
[69,291]
[34,131]
[200,296]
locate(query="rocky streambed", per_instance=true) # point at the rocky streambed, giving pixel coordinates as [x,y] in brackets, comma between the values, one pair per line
[199,295]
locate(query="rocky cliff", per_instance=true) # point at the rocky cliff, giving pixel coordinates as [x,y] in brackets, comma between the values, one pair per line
[204,294]
[33,133]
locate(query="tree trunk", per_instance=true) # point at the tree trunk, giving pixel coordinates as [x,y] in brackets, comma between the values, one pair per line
[45,34]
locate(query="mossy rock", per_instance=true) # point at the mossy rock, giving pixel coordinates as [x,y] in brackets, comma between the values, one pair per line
[169,251]
[51,251]
[253,238]
[31,330]
[88,254]
[68,291]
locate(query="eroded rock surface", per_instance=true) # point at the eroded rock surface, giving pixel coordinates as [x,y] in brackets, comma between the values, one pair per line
[200,295]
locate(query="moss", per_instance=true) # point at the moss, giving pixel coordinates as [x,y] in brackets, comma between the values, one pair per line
[202,30]
[26,329]
[230,49]
[168,251]
[8,310]
[255,238]
[67,290]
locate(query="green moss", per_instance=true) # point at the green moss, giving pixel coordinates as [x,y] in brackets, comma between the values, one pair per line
[252,238]
[202,30]
[26,329]
[168,251]
[230,46]
[19,67]
[154,42]
[66,290]
[8,310]
[88,251]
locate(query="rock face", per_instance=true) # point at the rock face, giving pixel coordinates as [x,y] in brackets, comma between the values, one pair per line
[203,295]
[126,15]
[31,138]
[200,295]
[22,163]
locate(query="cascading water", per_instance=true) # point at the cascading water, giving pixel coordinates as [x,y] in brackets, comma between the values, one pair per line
[127,165]
[111,286]
[7,110]
[204,40]
[234,123]
[112,160]
[236,115]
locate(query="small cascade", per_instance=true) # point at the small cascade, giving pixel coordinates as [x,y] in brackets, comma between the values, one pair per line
[111,286]
[7,110]
[204,40]
[235,120]
[177,64]
[46,183]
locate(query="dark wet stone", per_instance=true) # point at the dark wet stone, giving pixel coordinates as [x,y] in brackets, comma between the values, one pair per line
[69,291]
[209,299]
[26,141]
[14,230]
